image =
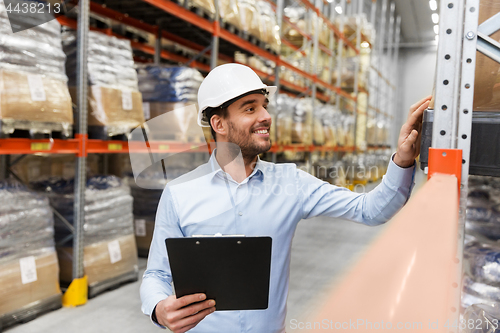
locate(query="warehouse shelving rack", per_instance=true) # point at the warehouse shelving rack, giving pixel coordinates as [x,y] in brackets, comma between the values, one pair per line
[205,37]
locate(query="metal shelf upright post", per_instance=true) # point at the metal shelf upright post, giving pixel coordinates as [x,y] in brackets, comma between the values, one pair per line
[454,93]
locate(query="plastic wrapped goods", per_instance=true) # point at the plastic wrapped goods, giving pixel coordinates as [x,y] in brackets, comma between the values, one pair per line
[145,204]
[302,122]
[28,264]
[169,84]
[284,119]
[483,211]
[482,262]
[109,242]
[318,129]
[110,61]
[243,14]
[108,207]
[36,50]
[268,25]
[26,223]
[26,97]
[481,318]
[33,82]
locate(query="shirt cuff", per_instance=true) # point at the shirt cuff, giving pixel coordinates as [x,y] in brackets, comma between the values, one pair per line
[401,177]
[155,320]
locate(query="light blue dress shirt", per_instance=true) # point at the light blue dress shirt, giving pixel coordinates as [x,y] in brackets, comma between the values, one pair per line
[269,202]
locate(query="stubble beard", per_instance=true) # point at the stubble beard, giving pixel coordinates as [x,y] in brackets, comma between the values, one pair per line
[249,148]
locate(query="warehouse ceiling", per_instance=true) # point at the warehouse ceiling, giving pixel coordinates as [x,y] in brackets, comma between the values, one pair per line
[416,23]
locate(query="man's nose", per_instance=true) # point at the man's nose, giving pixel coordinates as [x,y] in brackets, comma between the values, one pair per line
[264,115]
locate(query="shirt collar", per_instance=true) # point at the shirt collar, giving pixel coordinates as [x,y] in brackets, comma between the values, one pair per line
[258,170]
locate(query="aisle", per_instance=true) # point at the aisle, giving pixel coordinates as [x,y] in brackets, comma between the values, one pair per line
[322,249]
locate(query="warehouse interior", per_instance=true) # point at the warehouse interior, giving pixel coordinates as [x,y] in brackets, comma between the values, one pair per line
[99,112]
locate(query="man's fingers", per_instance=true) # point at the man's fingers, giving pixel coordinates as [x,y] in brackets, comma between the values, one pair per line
[192,310]
[191,320]
[186,300]
[422,101]
[417,115]
[187,328]
[410,140]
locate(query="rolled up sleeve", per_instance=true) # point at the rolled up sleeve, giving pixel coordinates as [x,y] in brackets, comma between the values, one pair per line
[372,208]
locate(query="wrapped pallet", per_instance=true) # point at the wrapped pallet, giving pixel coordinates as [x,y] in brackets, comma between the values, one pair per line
[110,253]
[268,25]
[146,199]
[487,77]
[302,126]
[29,270]
[33,84]
[284,119]
[170,95]
[114,101]
[242,14]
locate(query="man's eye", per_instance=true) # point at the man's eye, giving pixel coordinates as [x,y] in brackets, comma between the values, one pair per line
[249,109]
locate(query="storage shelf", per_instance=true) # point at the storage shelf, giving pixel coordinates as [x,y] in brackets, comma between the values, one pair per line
[137,18]
[13,146]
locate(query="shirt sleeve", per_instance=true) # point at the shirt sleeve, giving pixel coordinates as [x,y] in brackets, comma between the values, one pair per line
[157,279]
[375,207]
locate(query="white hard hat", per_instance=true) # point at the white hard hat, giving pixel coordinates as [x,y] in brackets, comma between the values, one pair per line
[224,83]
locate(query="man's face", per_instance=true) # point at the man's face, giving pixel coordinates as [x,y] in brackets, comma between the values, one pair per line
[248,125]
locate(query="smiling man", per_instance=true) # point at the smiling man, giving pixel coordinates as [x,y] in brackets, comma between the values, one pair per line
[237,193]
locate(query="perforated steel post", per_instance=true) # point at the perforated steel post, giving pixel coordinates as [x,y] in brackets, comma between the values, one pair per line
[80,177]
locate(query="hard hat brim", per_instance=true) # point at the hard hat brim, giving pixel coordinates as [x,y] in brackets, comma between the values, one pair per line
[271,90]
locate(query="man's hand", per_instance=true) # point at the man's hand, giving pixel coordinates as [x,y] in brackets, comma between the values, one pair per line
[180,314]
[409,137]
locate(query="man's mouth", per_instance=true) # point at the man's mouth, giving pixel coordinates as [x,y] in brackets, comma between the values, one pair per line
[262,131]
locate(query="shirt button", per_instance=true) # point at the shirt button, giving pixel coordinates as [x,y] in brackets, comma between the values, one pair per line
[240,213]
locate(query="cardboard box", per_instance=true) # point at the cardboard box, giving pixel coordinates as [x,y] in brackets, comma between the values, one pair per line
[487,77]
[174,121]
[99,261]
[119,110]
[14,294]
[31,97]
[144,237]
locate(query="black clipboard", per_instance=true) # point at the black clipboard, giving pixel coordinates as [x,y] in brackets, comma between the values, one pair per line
[234,271]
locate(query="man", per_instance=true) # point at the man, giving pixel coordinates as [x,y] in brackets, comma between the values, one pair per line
[237,193]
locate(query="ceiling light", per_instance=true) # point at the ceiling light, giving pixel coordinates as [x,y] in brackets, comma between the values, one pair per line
[435,18]
[329,0]
[338,9]
[365,44]
[436,29]
[433,4]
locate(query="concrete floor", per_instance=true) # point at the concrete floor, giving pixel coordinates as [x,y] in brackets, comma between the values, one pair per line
[323,249]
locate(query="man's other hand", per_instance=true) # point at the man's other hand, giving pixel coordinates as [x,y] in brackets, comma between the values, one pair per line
[182,314]
[409,136]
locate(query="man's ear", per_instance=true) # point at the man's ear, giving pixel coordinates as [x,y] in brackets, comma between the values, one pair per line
[218,124]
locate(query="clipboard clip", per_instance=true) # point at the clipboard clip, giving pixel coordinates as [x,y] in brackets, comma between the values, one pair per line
[218,235]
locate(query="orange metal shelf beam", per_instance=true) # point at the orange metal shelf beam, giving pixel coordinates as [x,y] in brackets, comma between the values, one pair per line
[182,13]
[153,29]
[28,146]
[71,146]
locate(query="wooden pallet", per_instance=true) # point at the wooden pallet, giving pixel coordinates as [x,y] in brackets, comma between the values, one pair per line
[102,133]
[10,128]
[30,312]
[114,283]
[244,35]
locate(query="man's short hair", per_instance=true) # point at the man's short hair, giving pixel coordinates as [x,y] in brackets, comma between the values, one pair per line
[222,111]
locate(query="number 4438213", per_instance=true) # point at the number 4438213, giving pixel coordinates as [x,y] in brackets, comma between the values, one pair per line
[473,324]
[34,8]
